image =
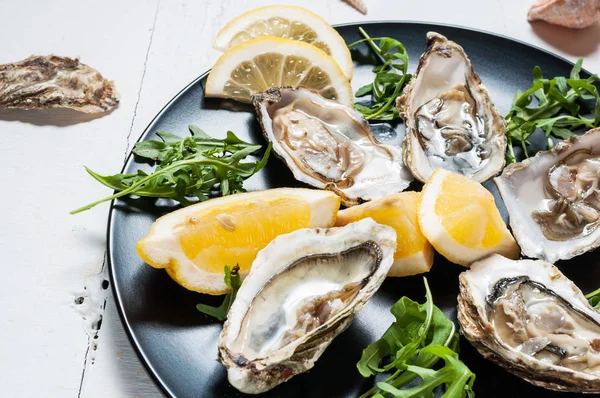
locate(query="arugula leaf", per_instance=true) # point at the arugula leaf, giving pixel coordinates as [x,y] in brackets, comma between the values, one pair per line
[187,167]
[390,78]
[420,336]
[401,340]
[455,375]
[594,298]
[556,109]
[232,280]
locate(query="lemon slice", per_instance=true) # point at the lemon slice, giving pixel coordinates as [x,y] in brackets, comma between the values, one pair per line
[195,243]
[460,219]
[289,22]
[414,254]
[258,64]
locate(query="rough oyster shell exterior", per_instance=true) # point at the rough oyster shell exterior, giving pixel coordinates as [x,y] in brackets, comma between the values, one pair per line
[55,82]
[476,284]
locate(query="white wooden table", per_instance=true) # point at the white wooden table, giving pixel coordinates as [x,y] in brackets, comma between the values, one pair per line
[49,345]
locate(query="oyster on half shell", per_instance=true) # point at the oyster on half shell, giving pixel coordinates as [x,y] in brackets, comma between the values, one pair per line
[450,119]
[329,145]
[553,199]
[302,291]
[529,318]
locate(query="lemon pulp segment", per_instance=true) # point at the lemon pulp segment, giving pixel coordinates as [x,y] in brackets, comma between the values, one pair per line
[291,23]
[280,27]
[468,213]
[234,235]
[414,253]
[271,69]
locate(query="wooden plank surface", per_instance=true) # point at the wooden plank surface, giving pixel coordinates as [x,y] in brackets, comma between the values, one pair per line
[152,49]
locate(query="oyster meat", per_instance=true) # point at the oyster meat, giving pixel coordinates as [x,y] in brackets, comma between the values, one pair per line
[529,318]
[329,145]
[553,199]
[302,291]
[450,119]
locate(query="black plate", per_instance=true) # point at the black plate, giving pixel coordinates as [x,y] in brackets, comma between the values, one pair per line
[178,345]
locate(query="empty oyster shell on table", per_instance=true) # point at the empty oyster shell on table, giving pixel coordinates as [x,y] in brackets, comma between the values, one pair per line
[450,119]
[302,291]
[358,5]
[329,145]
[529,318]
[55,82]
[553,199]
[577,14]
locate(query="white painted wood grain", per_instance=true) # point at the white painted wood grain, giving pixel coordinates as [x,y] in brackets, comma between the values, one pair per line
[151,49]
[48,256]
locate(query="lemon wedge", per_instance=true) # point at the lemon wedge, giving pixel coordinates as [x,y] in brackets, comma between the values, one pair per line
[258,64]
[460,219]
[289,22]
[194,244]
[414,254]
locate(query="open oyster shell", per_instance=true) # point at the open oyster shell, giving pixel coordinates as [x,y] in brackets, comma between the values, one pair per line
[450,119]
[553,199]
[329,145]
[529,318]
[302,291]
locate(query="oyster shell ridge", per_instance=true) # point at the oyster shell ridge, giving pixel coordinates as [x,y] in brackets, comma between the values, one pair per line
[480,333]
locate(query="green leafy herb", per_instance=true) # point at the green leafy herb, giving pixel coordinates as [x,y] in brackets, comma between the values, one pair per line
[594,298]
[390,78]
[187,167]
[455,375]
[556,109]
[412,345]
[232,280]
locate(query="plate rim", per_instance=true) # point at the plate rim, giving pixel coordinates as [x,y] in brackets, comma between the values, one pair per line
[111,212]
[109,255]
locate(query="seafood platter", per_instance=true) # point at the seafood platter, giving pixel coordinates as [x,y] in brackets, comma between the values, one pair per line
[375,210]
